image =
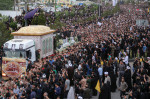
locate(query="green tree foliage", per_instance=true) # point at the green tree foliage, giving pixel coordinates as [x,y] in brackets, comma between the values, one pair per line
[131,1]
[66,13]
[94,7]
[13,25]
[4,18]
[6,4]
[57,24]
[72,14]
[39,20]
[5,34]
[111,12]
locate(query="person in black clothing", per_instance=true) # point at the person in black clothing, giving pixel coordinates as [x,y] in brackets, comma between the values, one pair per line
[57,91]
[23,95]
[113,81]
[1,58]
[7,94]
[29,65]
[134,50]
[105,92]
[93,83]
[28,91]
[1,55]
[37,53]
[39,92]
[127,77]
[71,75]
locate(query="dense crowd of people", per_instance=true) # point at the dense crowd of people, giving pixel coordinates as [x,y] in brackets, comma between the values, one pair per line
[102,54]
[70,19]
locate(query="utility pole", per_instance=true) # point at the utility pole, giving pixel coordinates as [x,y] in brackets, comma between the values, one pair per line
[18,4]
[49,2]
[99,7]
[14,4]
[55,5]
[26,7]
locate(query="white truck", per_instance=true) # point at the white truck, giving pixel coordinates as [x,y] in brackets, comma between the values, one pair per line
[24,45]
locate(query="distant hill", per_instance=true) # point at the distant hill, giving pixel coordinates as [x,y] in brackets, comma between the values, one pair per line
[6,4]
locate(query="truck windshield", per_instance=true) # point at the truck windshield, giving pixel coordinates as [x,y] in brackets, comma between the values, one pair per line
[14,54]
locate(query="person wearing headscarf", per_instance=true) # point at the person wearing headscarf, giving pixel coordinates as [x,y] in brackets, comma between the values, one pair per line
[127,77]
[113,81]
[104,94]
[107,81]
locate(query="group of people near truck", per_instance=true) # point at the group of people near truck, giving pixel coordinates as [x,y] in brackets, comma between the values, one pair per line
[102,55]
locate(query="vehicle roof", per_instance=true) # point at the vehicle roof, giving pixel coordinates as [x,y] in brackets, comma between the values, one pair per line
[25,42]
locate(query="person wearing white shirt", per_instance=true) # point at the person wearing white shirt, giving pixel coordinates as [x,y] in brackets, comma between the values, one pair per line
[79,67]
[126,59]
[93,58]
[100,71]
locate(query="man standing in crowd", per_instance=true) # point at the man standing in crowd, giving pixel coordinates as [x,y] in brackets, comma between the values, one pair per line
[57,91]
[121,71]
[122,88]
[100,71]
[107,79]
[126,59]
[67,86]
[37,53]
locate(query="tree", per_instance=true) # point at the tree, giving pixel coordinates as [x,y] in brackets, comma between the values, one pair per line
[13,25]
[5,34]
[6,4]
[5,18]
[39,20]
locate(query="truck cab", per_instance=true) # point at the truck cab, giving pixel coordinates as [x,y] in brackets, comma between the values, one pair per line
[20,48]
[16,54]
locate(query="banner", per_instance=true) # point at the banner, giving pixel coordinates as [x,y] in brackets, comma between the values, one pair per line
[13,67]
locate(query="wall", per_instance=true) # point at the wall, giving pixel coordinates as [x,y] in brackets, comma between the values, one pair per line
[13,14]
